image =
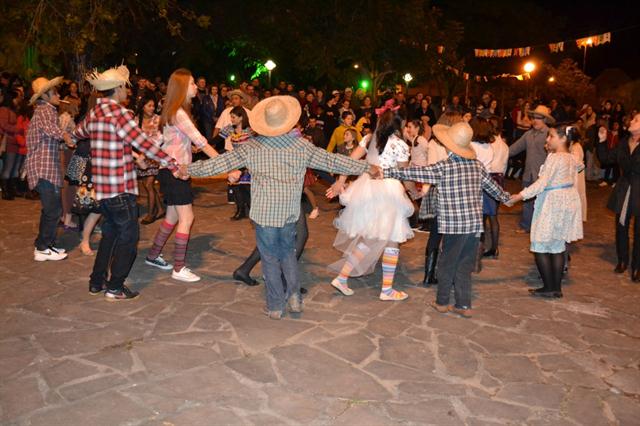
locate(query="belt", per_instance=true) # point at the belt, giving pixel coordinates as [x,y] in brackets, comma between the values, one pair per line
[562,186]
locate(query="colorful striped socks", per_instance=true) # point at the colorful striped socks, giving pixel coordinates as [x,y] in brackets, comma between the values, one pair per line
[389,263]
[352,259]
[160,239]
[180,251]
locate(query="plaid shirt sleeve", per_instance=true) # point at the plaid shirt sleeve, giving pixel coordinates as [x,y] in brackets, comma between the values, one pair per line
[228,161]
[81,132]
[430,174]
[49,126]
[318,158]
[185,125]
[129,131]
[492,188]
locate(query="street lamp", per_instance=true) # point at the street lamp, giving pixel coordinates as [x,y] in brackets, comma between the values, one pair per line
[270,65]
[586,45]
[529,67]
[552,79]
[356,66]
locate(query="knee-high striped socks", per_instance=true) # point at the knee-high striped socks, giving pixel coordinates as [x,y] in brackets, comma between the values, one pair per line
[352,259]
[389,263]
[180,250]
[160,239]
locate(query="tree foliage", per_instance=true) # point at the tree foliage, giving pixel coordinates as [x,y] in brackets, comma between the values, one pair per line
[570,81]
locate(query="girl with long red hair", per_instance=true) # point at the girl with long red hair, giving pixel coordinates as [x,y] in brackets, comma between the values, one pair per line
[179,133]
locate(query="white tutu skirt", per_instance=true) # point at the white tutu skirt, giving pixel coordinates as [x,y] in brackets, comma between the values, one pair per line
[375,216]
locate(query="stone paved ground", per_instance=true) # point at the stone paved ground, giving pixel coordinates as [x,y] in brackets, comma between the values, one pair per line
[203,354]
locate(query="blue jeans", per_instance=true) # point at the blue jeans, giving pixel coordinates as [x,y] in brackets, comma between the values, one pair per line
[119,244]
[12,164]
[277,248]
[527,210]
[50,214]
[454,267]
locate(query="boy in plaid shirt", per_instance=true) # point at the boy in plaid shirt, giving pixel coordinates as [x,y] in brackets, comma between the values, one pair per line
[460,180]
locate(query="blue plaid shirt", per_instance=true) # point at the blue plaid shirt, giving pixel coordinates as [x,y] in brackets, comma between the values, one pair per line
[277,166]
[460,183]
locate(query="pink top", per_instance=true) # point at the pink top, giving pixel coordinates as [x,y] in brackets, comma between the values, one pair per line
[179,137]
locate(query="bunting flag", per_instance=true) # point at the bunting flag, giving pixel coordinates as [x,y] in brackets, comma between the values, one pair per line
[594,40]
[556,47]
[502,53]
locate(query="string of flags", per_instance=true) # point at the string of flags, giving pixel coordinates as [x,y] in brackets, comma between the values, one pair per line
[553,47]
[485,78]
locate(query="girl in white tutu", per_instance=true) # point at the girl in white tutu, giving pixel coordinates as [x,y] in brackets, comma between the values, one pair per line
[375,218]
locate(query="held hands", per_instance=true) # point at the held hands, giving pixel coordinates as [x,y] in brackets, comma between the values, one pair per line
[334,190]
[514,199]
[234,176]
[68,141]
[375,172]
[182,172]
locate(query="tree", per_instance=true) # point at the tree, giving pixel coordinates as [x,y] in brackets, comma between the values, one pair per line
[571,82]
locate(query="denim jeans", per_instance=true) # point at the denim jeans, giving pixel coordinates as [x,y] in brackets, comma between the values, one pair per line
[12,164]
[278,255]
[119,244]
[455,265]
[527,210]
[50,214]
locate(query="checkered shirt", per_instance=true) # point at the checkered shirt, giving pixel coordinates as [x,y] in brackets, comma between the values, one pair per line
[277,166]
[460,183]
[114,132]
[43,146]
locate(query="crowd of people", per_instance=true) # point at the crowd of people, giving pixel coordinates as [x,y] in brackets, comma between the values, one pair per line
[398,165]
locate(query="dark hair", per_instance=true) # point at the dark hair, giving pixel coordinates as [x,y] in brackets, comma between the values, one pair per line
[240,112]
[107,93]
[482,130]
[141,105]
[567,130]
[418,124]
[345,114]
[8,99]
[388,124]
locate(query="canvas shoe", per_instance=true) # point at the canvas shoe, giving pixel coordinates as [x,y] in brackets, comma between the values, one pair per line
[185,274]
[48,254]
[158,262]
[342,288]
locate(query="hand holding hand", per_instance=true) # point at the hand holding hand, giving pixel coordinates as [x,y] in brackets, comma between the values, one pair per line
[68,141]
[334,190]
[234,176]
[182,172]
[514,199]
[375,172]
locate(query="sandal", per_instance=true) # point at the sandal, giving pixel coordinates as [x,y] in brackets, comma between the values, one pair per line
[394,295]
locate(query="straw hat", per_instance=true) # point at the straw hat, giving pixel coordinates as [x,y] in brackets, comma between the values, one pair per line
[41,86]
[238,92]
[110,79]
[542,112]
[275,116]
[456,138]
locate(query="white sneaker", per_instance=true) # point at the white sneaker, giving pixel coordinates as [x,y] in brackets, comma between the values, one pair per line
[59,250]
[48,254]
[185,274]
[342,288]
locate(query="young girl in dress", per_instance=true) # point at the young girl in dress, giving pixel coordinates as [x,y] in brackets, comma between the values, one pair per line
[375,218]
[557,217]
[179,133]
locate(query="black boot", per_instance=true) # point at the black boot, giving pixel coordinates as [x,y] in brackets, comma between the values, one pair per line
[243,272]
[16,187]
[620,267]
[6,193]
[235,197]
[430,264]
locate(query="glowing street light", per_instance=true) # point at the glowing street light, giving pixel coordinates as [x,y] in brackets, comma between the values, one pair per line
[407,78]
[269,65]
[552,79]
[232,77]
[356,66]
[529,67]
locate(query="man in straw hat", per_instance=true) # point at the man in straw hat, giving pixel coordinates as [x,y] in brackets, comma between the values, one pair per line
[114,132]
[532,142]
[237,98]
[460,180]
[43,164]
[277,160]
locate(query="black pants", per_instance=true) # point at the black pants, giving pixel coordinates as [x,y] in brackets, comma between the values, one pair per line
[455,266]
[622,242]
[433,244]
[50,214]
[119,244]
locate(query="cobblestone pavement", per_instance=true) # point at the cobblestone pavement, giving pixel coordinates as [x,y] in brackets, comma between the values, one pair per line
[204,354]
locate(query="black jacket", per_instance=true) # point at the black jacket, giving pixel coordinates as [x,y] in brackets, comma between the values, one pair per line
[629,174]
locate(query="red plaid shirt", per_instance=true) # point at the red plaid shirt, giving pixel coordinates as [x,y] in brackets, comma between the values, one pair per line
[43,146]
[114,133]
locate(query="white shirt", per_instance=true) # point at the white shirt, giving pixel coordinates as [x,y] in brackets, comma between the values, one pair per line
[420,152]
[500,156]
[395,151]
[436,152]
[225,118]
[484,151]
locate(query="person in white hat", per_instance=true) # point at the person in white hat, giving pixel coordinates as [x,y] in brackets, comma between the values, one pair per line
[43,164]
[113,131]
[277,160]
[532,142]
[460,180]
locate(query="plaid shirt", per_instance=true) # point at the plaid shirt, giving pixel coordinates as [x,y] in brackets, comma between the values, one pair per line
[43,146]
[277,166]
[114,132]
[460,183]
[179,136]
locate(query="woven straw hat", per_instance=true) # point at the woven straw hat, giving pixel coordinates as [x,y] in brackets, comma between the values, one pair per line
[110,79]
[275,116]
[41,85]
[456,138]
